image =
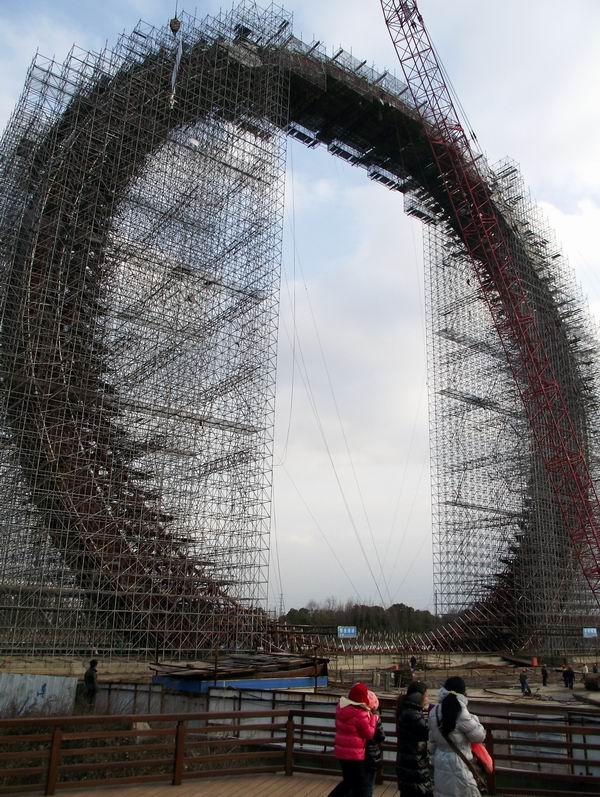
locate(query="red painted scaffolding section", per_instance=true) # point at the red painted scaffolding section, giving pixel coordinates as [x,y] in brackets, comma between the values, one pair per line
[496,262]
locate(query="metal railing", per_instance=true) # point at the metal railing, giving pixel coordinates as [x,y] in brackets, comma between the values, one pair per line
[59,753]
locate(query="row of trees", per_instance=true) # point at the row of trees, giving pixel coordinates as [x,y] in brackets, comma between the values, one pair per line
[331,613]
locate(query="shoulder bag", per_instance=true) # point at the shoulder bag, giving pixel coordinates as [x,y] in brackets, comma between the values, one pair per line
[473,768]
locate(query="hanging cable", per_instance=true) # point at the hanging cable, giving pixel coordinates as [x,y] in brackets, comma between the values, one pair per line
[426,538]
[296,259]
[322,533]
[409,516]
[303,371]
[277,560]
[418,408]
[343,431]
[175,26]
[404,472]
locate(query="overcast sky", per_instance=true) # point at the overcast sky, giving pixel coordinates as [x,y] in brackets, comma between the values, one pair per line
[527,74]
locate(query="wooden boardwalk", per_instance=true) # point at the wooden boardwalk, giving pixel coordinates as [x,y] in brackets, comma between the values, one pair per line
[242,786]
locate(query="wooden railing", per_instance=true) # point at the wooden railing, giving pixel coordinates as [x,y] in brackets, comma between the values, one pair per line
[55,754]
[544,758]
[72,752]
[531,757]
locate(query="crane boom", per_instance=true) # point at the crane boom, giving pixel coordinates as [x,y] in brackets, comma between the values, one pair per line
[498,260]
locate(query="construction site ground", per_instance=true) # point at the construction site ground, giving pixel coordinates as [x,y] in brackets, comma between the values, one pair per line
[487,676]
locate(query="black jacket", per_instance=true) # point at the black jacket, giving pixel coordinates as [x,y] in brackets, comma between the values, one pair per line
[412,758]
[373,751]
[90,681]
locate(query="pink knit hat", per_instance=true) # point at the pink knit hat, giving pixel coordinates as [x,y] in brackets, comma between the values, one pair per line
[372,701]
[359,693]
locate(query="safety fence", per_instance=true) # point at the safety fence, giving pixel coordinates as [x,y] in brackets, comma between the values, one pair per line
[46,755]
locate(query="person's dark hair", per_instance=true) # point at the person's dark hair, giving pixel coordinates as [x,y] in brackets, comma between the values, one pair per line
[413,687]
[416,686]
[94,663]
[451,706]
[456,684]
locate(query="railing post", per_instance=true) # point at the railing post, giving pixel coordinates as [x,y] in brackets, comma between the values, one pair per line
[273,706]
[289,746]
[303,706]
[179,755]
[491,776]
[53,761]
[569,736]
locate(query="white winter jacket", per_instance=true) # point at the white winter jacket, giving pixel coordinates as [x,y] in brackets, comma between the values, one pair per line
[451,776]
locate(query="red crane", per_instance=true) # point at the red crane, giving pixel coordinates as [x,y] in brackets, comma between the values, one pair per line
[496,261]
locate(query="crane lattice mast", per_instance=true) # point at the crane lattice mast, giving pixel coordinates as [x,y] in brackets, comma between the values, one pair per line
[495,255]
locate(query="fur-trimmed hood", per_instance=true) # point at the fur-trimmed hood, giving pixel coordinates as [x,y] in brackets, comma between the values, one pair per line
[462,699]
[345,701]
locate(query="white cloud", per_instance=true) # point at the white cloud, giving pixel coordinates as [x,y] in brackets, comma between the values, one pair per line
[302,540]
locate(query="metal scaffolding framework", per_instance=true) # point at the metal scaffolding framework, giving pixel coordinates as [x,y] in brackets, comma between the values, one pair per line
[499,537]
[517,530]
[140,239]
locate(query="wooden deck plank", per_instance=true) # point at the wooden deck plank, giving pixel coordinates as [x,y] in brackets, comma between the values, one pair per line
[271,789]
[236,787]
[314,788]
[299,785]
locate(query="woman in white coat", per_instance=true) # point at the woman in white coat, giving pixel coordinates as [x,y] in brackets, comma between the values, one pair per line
[451,719]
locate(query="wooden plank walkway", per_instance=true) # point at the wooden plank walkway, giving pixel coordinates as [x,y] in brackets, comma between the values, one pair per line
[243,786]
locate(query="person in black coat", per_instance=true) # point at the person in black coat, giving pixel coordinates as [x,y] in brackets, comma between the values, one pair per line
[412,759]
[90,683]
[373,748]
[569,677]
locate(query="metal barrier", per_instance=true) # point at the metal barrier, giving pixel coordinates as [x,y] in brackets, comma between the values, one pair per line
[59,753]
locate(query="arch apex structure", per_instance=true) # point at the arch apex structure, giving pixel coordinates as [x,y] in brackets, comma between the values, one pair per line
[140,247]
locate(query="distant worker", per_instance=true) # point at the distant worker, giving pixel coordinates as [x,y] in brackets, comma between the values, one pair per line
[570,677]
[565,676]
[595,669]
[90,682]
[544,675]
[585,670]
[413,663]
[525,690]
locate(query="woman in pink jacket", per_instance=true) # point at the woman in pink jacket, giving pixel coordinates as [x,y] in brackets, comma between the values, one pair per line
[354,727]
